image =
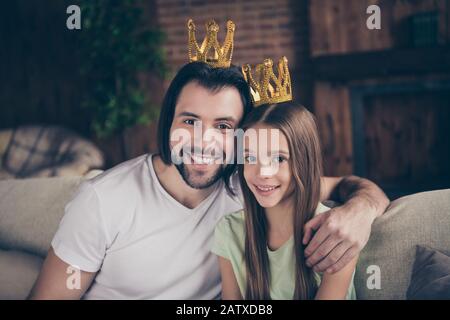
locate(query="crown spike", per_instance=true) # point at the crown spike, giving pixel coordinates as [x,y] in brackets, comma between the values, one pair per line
[220,56]
[261,88]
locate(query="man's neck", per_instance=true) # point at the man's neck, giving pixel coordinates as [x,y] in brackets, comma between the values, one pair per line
[171,180]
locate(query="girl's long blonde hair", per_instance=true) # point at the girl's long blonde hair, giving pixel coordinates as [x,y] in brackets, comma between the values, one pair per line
[300,129]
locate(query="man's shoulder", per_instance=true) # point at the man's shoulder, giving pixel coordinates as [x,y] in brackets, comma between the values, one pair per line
[120,174]
[115,193]
[118,189]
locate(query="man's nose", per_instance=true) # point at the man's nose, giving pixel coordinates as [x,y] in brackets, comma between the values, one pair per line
[205,135]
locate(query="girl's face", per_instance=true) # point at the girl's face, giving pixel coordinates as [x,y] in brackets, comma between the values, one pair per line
[266,167]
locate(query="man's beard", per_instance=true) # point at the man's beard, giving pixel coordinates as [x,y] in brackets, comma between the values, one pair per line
[190,181]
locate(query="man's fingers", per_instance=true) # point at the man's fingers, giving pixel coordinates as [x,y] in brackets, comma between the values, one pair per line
[320,236]
[310,226]
[333,257]
[346,258]
[322,250]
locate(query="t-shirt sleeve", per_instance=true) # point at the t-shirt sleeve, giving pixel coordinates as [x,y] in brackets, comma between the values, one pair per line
[351,292]
[82,239]
[221,238]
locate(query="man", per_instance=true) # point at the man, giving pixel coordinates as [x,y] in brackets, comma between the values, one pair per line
[143,229]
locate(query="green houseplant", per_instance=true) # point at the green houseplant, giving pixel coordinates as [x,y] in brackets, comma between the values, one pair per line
[116,44]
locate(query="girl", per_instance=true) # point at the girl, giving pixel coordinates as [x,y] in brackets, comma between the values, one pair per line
[260,248]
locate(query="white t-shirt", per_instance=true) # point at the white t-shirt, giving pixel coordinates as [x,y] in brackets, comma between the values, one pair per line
[142,242]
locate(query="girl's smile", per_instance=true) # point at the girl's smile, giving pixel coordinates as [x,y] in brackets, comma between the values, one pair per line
[266,190]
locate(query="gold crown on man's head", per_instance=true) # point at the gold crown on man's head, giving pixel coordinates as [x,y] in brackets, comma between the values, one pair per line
[210,51]
[267,88]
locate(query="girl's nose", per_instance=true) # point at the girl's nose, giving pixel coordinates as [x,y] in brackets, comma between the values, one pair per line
[267,171]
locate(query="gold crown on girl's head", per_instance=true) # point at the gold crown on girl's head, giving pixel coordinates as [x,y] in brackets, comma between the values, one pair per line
[210,51]
[265,87]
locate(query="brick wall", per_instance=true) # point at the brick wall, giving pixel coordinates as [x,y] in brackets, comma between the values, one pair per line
[264,28]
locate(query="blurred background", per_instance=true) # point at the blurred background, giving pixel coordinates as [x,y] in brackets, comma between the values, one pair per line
[89,98]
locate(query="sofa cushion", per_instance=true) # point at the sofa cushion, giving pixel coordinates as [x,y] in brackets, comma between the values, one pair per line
[419,219]
[5,175]
[19,271]
[431,275]
[31,209]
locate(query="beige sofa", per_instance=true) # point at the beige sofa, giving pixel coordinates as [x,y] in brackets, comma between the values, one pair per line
[30,210]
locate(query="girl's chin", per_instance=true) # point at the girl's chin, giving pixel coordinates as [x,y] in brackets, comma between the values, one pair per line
[267,199]
[268,204]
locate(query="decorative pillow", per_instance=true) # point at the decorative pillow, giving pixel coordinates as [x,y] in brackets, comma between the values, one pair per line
[430,278]
[47,151]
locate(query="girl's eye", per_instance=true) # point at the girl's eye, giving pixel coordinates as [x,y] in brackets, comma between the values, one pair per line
[279,159]
[250,159]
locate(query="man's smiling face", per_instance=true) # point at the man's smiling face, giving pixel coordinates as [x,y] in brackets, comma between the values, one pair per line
[214,113]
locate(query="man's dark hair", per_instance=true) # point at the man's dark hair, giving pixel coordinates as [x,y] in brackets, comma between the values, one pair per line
[210,78]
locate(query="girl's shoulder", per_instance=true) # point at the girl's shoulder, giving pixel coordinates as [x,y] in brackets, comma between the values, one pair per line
[232,224]
[234,220]
[229,235]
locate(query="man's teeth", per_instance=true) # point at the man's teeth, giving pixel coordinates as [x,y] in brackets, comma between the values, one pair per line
[266,188]
[202,160]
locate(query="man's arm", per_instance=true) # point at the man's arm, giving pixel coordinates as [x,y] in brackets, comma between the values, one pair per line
[339,234]
[344,189]
[52,281]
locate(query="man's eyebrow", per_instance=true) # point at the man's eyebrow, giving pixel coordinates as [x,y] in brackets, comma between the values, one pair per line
[188,114]
[226,119]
